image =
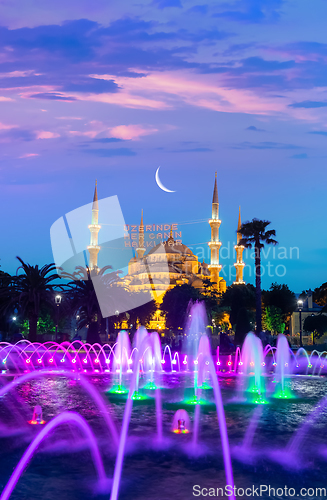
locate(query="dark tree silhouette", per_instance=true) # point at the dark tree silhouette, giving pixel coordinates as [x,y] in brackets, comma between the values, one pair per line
[281,297]
[254,234]
[32,288]
[175,304]
[317,325]
[235,298]
[243,326]
[83,301]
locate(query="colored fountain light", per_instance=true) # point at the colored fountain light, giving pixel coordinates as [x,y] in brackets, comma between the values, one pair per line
[37,416]
[138,397]
[181,422]
[118,389]
[150,386]
[261,400]
[181,427]
[50,360]
[39,360]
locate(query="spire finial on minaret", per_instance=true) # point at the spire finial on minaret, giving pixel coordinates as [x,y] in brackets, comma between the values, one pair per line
[215,191]
[95,205]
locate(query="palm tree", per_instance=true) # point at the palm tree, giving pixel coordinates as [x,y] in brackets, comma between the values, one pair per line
[254,234]
[83,300]
[29,291]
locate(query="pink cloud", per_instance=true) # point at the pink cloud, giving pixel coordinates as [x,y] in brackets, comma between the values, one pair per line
[2,98]
[28,155]
[43,134]
[131,132]
[68,117]
[3,126]
[170,89]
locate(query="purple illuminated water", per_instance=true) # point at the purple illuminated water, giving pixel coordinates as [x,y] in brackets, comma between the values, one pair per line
[202,392]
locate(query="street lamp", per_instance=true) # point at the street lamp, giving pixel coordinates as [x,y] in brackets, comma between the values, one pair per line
[58,302]
[300,306]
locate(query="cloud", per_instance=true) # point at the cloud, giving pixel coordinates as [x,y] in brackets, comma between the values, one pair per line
[301,156]
[4,126]
[164,4]
[264,145]
[4,99]
[52,96]
[16,134]
[29,155]
[43,134]
[319,132]
[131,132]
[107,140]
[92,85]
[193,150]
[199,9]
[309,104]
[67,117]
[255,129]
[251,11]
[108,153]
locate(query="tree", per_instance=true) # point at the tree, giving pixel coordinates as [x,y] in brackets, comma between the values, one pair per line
[175,304]
[254,234]
[243,326]
[144,312]
[211,296]
[282,298]
[237,297]
[273,319]
[29,291]
[320,295]
[317,325]
[83,300]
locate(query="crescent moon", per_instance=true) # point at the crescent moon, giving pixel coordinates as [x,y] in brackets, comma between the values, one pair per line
[158,181]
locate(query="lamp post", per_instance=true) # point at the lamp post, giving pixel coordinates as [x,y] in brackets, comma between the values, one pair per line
[58,302]
[300,305]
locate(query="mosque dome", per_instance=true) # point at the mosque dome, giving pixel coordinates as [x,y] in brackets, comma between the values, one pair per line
[170,246]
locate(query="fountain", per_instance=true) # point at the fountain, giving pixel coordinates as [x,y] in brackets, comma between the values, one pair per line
[146,385]
[181,422]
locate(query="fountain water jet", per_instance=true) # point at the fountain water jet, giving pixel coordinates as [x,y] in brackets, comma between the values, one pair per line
[63,418]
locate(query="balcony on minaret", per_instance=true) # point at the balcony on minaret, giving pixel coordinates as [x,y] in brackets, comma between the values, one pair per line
[215,266]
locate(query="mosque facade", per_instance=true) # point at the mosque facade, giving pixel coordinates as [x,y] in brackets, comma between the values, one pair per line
[170,263]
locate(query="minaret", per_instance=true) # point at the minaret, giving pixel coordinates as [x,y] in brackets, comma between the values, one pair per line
[215,244]
[94,228]
[141,249]
[239,264]
[171,241]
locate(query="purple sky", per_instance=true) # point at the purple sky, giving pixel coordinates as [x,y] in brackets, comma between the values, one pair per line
[90,91]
